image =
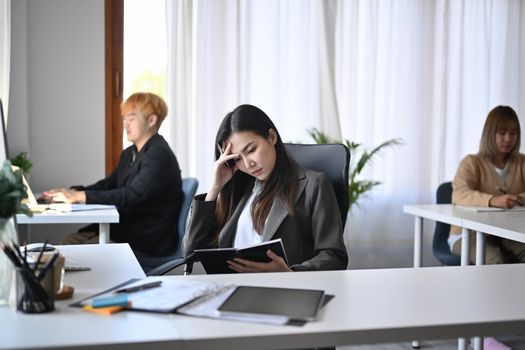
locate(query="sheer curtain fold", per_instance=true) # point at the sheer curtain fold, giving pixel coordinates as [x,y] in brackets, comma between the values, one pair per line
[5,52]
[364,70]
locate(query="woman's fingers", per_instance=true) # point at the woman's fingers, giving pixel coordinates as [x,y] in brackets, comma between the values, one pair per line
[276,264]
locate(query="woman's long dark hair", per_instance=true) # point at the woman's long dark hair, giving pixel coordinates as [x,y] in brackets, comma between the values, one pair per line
[282,183]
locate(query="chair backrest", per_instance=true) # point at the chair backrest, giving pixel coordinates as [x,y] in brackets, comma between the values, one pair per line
[189,188]
[440,246]
[150,263]
[331,159]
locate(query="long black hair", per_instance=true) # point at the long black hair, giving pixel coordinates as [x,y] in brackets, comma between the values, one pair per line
[282,182]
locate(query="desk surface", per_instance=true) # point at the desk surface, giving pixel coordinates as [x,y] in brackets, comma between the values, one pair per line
[72,217]
[370,306]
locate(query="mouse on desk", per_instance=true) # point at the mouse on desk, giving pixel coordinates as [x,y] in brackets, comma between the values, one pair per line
[37,247]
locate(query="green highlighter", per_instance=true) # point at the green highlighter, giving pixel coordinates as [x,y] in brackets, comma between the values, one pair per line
[120,299]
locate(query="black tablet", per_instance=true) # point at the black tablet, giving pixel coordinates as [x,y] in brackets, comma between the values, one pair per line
[295,304]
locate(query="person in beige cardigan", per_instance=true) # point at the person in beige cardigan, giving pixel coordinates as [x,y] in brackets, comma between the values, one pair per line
[494,177]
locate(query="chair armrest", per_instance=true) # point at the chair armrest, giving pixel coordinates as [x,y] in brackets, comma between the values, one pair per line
[167,267]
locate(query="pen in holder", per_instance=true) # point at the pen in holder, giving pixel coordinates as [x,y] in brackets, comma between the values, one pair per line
[35,282]
[35,286]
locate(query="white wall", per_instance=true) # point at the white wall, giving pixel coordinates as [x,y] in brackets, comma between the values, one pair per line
[56,109]
[57,90]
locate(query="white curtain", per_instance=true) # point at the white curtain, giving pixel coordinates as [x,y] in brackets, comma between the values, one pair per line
[5,51]
[364,70]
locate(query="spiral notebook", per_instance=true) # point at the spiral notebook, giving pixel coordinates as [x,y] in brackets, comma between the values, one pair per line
[171,294]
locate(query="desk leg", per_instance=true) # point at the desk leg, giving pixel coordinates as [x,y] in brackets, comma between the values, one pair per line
[480,260]
[465,247]
[103,234]
[418,247]
[418,241]
[480,248]
[478,343]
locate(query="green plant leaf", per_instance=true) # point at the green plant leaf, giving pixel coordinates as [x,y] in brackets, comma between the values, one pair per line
[22,162]
[357,189]
[12,192]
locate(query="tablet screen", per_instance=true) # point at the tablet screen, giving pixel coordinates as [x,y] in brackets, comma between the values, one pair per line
[296,304]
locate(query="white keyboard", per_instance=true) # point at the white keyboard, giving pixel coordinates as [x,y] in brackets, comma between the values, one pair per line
[73,265]
[69,264]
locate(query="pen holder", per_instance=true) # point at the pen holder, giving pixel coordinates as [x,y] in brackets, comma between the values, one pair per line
[32,294]
[58,270]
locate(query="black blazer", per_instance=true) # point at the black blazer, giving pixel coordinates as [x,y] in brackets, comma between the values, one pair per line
[148,195]
[312,237]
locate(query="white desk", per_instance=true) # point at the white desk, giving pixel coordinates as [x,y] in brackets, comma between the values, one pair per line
[102,217]
[506,224]
[370,306]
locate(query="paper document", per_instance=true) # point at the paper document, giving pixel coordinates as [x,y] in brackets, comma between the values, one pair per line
[489,209]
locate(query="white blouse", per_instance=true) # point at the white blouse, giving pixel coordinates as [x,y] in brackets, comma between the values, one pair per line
[246,234]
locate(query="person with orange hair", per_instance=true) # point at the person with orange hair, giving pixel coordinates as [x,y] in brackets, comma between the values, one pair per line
[145,186]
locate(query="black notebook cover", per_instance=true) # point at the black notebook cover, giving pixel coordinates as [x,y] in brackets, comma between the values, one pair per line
[214,260]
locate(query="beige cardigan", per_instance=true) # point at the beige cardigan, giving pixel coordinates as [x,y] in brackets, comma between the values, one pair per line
[476,182]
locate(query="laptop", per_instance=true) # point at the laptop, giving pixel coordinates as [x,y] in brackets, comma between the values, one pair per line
[32,203]
[37,205]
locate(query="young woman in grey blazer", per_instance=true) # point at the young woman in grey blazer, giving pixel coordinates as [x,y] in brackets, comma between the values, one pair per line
[260,193]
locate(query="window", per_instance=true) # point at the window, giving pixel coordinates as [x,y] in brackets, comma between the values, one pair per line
[145,48]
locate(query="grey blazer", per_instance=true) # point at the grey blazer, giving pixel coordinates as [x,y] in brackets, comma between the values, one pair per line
[312,237]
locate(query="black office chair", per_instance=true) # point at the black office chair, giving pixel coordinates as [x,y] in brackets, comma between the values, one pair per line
[440,246]
[331,159]
[189,187]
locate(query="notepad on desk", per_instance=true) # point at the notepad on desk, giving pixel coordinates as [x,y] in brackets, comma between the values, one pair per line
[215,260]
[490,209]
